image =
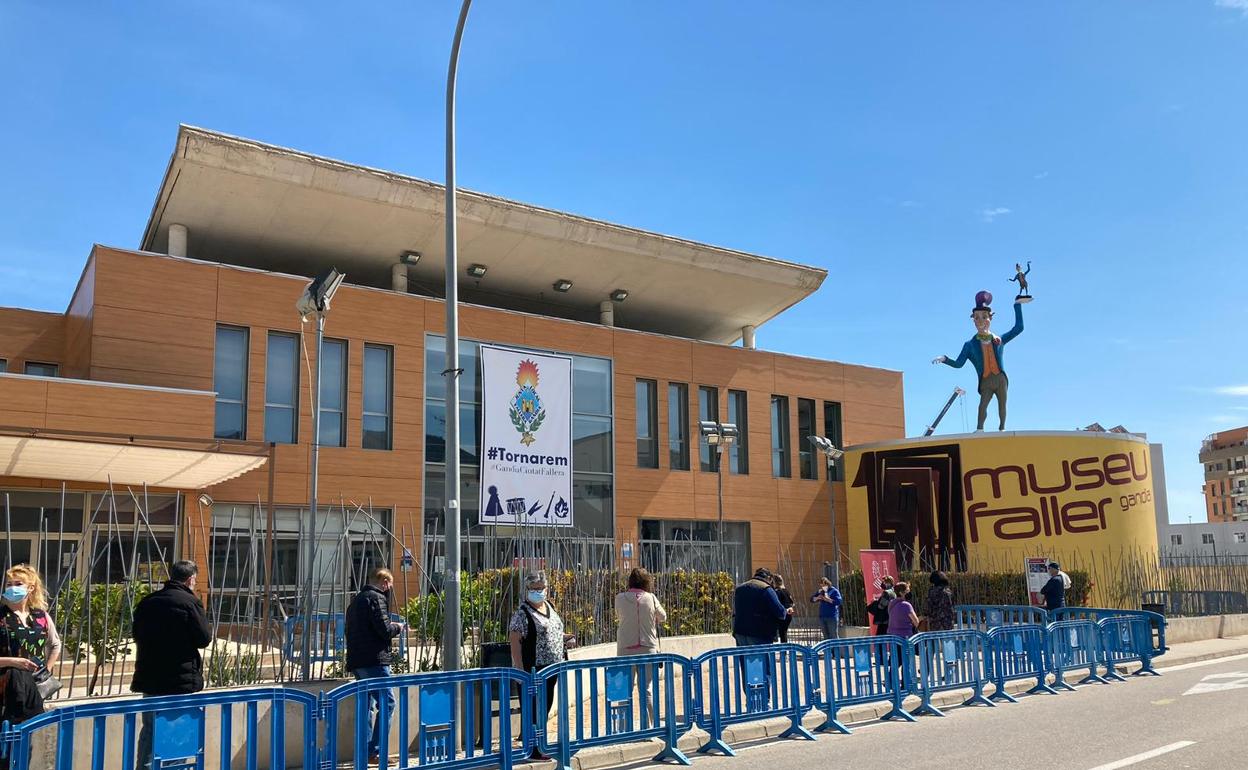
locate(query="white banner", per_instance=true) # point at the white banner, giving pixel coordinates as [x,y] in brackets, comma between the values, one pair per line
[526,438]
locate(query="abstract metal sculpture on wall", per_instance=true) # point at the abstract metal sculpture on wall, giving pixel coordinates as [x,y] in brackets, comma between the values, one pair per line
[986,352]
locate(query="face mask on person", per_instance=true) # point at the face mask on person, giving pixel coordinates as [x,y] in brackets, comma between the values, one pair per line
[537,597]
[15,594]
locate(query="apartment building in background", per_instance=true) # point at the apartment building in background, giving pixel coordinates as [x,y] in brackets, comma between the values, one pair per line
[181,371]
[1225,457]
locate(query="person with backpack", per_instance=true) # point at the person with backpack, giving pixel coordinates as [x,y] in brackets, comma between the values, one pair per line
[538,639]
[879,606]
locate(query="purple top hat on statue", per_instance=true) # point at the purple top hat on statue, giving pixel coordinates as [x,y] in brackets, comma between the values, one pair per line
[983,300]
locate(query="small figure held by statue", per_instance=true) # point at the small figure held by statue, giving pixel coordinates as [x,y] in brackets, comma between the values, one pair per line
[986,352]
[1020,277]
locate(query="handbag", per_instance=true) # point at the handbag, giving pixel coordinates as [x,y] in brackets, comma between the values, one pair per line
[47,684]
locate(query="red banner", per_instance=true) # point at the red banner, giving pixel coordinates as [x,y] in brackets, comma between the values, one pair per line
[875,565]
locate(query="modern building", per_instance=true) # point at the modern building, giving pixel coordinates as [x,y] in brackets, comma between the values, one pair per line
[180,371]
[1205,543]
[1225,457]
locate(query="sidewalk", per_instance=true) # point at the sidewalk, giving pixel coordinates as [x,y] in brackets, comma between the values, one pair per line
[642,752]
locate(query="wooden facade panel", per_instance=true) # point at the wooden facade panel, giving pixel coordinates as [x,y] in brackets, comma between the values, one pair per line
[174,356]
[148,326]
[554,334]
[891,416]
[79,321]
[650,355]
[30,335]
[872,386]
[809,378]
[736,368]
[151,282]
[485,324]
[145,412]
[156,379]
[866,433]
[23,402]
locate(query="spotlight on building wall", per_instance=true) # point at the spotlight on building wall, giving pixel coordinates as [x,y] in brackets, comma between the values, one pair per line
[619,295]
[827,447]
[205,501]
[316,297]
[409,257]
[477,270]
[562,285]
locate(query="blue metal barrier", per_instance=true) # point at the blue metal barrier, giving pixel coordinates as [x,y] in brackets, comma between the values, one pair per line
[1157,622]
[984,617]
[616,700]
[178,725]
[329,637]
[464,719]
[1074,644]
[1126,639]
[950,660]
[848,672]
[1018,653]
[749,683]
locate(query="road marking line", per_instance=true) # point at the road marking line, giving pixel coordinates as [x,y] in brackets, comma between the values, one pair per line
[1235,680]
[1201,663]
[1136,759]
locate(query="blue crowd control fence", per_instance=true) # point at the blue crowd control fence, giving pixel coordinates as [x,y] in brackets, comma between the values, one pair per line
[1074,645]
[744,684]
[616,700]
[1018,653]
[1156,621]
[849,672]
[1126,639]
[179,727]
[984,617]
[949,660]
[328,643]
[442,720]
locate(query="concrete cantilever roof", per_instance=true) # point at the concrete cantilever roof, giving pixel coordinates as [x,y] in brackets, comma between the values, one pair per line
[258,205]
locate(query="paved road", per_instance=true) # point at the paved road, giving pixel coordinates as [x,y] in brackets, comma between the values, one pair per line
[1098,727]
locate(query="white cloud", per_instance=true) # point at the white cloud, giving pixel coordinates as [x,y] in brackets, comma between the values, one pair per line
[1232,390]
[1237,5]
[990,213]
[1041,175]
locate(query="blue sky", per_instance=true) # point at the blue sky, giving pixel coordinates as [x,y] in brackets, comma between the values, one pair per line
[915,150]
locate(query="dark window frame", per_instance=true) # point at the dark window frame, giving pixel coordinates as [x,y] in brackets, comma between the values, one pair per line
[678,426]
[647,425]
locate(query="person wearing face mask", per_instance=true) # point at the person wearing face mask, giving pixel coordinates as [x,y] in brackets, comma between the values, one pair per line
[537,638]
[29,643]
[170,628]
[369,631]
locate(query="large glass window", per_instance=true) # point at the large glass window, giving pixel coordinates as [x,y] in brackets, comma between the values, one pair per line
[229,380]
[670,545]
[834,432]
[4,366]
[647,424]
[281,389]
[738,414]
[678,426]
[36,369]
[708,409]
[806,428]
[780,438]
[333,400]
[378,403]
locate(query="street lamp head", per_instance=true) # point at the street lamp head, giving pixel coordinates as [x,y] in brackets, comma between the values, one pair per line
[320,290]
[708,428]
[827,447]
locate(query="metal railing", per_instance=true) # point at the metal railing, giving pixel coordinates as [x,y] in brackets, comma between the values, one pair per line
[850,672]
[750,683]
[982,617]
[949,660]
[1018,652]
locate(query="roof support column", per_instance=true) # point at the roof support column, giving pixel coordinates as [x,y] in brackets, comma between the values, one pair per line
[606,313]
[747,337]
[177,240]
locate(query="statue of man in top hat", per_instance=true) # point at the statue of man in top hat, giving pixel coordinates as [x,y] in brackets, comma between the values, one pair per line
[986,352]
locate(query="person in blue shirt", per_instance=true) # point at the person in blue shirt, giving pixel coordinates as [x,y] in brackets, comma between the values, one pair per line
[986,352]
[828,597]
[1054,591]
[757,611]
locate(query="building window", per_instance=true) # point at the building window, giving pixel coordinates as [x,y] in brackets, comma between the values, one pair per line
[678,426]
[378,402]
[229,379]
[667,546]
[1176,540]
[738,414]
[4,366]
[834,432]
[1241,537]
[708,409]
[806,427]
[1206,538]
[780,438]
[281,389]
[647,424]
[333,400]
[36,369]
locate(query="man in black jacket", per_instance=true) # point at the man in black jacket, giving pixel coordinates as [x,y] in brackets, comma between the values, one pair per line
[369,632]
[170,628]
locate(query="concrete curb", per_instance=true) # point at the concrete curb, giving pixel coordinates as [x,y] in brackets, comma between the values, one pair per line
[643,751]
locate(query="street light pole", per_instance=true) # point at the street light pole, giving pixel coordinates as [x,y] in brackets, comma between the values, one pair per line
[719,436]
[719,480]
[452,632]
[831,454]
[310,536]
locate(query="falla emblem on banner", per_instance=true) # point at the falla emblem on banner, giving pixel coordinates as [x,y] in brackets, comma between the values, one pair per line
[527,413]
